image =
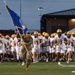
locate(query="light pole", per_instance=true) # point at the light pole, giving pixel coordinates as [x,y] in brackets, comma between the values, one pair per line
[20,9]
[40,9]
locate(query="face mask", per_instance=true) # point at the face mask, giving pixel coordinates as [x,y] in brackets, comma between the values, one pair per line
[36,36]
[46,37]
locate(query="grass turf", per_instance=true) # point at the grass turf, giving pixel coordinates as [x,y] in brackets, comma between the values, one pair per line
[41,68]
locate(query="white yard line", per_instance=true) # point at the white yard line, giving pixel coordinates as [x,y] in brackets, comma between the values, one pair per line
[62,65]
[73,71]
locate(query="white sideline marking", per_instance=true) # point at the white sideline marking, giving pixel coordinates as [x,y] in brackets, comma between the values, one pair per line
[73,71]
[62,65]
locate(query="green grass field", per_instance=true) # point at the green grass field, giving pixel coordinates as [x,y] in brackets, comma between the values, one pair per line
[40,68]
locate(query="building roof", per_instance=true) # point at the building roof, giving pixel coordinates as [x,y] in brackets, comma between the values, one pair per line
[72,30]
[69,12]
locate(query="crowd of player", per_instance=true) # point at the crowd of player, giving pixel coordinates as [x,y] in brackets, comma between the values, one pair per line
[54,47]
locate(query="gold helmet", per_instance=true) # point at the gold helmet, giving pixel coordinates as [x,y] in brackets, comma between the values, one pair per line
[12,35]
[55,34]
[2,36]
[35,32]
[46,34]
[68,33]
[59,30]
[72,33]
[52,35]
[39,34]
[7,36]
[43,33]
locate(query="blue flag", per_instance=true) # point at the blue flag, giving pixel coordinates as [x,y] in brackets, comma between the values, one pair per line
[17,21]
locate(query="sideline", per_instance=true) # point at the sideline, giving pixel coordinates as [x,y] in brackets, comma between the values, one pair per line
[62,65]
[73,71]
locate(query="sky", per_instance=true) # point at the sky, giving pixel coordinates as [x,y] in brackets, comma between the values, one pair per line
[29,11]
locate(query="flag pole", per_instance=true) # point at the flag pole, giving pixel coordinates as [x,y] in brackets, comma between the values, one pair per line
[22,40]
[16,21]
